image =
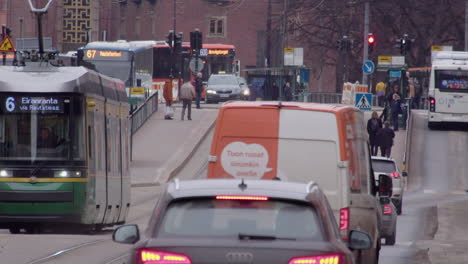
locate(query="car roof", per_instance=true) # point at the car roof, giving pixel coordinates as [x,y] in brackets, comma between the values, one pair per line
[212,187]
[382,158]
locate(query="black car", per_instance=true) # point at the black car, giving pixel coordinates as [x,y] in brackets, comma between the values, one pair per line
[221,88]
[232,221]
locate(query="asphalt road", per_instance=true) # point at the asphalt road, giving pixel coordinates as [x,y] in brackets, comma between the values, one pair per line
[438,174]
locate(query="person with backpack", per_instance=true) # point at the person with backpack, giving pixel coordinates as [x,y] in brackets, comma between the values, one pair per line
[373,126]
[385,138]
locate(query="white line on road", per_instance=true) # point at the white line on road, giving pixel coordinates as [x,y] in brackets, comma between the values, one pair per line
[429,191]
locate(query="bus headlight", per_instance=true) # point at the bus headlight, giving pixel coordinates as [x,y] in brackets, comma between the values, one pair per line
[211,91]
[67,174]
[6,173]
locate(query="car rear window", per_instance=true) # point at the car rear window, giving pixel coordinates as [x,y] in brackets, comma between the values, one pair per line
[210,217]
[383,166]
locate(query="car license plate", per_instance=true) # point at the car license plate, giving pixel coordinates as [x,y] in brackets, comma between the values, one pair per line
[224,95]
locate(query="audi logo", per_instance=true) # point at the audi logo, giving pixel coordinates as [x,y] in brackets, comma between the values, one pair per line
[239,258]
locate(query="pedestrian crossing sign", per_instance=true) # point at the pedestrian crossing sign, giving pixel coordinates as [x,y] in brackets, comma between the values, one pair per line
[363,101]
[7,45]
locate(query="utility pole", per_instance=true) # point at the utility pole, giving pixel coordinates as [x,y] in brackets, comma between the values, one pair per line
[268,35]
[466,25]
[366,33]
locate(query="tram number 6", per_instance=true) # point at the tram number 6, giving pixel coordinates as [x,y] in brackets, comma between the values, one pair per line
[10,104]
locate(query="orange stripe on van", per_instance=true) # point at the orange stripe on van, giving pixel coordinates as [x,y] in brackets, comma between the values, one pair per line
[243,131]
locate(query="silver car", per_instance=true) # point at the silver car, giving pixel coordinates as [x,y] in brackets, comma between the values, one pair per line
[383,165]
[221,88]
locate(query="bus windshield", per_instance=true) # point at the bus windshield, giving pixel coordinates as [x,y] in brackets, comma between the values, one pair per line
[115,69]
[451,80]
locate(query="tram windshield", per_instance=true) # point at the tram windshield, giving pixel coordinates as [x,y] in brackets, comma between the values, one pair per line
[40,129]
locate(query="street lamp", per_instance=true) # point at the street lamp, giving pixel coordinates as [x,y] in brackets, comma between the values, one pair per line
[39,11]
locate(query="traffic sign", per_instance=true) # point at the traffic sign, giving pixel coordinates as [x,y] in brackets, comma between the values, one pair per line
[363,101]
[7,45]
[368,67]
[192,65]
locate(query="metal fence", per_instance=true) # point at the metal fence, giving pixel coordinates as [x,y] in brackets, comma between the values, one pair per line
[143,112]
[327,98]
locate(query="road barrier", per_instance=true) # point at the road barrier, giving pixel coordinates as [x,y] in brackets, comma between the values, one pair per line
[140,115]
[328,98]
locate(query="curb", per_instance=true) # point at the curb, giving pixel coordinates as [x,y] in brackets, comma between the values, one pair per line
[172,172]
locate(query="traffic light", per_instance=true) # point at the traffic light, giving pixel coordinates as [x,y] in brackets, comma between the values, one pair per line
[170,38]
[405,44]
[370,42]
[196,40]
[178,42]
[344,44]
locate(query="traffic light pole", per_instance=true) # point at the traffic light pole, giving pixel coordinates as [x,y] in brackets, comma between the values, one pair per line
[366,33]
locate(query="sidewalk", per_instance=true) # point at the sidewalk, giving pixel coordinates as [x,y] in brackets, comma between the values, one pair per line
[161,146]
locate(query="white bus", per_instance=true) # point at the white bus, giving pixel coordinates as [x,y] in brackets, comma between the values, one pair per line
[448,89]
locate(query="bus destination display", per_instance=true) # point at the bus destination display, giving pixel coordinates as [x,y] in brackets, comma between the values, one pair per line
[93,54]
[26,104]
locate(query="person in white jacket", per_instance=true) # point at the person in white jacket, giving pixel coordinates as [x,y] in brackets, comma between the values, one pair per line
[187,93]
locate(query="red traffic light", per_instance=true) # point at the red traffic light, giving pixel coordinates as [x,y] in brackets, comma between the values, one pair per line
[370,39]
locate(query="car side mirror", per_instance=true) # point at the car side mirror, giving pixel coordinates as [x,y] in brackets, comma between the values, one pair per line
[359,240]
[126,234]
[385,185]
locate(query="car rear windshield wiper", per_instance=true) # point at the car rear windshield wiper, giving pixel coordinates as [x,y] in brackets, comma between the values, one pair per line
[262,237]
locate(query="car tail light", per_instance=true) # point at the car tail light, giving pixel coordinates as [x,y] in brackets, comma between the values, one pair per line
[242,197]
[432,103]
[149,256]
[321,259]
[395,175]
[344,223]
[387,209]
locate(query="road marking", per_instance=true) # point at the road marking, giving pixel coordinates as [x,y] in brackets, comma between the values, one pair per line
[429,191]
[61,252]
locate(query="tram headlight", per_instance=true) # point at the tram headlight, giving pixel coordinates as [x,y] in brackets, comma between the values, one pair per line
[66,174]
[6,173]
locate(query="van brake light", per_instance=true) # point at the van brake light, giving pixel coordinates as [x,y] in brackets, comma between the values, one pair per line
[329,259]
[149,256]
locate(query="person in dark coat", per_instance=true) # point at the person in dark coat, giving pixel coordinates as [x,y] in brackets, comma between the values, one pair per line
[373,126]
[287,92]
[395,106]
[385,139]
[198,88]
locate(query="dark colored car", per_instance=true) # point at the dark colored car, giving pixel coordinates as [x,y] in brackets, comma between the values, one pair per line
[389,220]
[221,88]
[232,221]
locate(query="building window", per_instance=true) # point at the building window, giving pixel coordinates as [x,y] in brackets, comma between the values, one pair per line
[217,26]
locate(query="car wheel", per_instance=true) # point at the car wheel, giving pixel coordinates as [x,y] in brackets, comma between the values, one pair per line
[398,207]
[390,240]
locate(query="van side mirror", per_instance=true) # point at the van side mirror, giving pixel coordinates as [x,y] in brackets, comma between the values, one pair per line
[359,240]
[126,234]
[385,185]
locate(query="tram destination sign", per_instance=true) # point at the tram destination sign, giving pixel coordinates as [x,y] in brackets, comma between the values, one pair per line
[29,104]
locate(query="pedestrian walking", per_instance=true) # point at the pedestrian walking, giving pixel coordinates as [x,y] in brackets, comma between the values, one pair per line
[187,92]
[167,94]
[373,126]
[287,92]
[380,92]
[198,88]
[385,140]
[395,106]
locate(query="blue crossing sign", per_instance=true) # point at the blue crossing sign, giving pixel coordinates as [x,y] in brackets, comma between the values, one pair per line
[363,101]
[368,67]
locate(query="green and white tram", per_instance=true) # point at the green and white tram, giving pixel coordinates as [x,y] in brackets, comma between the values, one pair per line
[64,148]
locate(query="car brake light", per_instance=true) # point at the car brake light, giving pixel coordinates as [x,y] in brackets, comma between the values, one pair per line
[148,256]
[387,209]
[242,197]
[395,175]
[344,222]
[328,259]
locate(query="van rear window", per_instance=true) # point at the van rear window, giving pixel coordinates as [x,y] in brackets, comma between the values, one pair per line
[451,79]
[383,166]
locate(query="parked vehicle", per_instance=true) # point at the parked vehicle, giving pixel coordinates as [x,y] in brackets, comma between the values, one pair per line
[237,221]
[301,142]
[383,165]
[389,214]
[222,87]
